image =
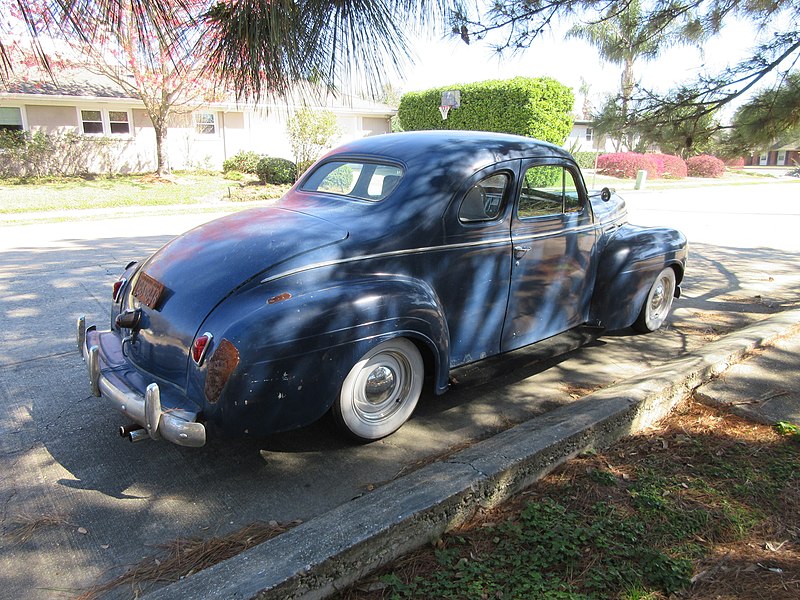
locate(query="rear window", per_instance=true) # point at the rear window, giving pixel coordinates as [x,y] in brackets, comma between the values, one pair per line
[363,180]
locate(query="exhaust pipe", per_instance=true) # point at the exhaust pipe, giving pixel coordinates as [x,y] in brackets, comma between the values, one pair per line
[134,432]
[138,435]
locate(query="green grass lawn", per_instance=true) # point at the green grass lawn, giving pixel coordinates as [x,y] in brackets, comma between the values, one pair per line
[105,192]
[76,193]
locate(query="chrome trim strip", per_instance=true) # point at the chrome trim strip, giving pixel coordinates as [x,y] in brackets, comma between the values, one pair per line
[463,245]
[547,234]
[341,261]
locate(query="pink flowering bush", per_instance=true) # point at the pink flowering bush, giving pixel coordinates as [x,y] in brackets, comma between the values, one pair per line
[705,165]
[736,163]
[669,166]
[626,165]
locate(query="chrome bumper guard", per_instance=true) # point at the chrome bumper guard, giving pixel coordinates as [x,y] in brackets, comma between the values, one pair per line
[144,410]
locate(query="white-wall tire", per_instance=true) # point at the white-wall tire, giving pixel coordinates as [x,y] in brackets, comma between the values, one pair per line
[381,390]
[658,302]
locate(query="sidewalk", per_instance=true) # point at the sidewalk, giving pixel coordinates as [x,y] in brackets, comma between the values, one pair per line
[764,388]
[320,556]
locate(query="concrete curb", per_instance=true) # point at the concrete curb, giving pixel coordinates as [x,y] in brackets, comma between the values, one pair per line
[339,547]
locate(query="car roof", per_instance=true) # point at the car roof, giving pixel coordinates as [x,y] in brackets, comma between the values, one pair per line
[416,146]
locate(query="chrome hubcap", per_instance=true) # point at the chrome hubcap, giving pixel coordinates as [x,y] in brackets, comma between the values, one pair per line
[382,388]
[380,385]
[658,297]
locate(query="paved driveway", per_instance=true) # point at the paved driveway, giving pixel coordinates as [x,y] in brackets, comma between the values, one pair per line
[79,505]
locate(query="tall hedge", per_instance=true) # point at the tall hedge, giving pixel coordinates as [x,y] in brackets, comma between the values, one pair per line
[535,107]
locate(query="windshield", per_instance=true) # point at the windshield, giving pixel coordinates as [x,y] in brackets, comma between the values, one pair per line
[363,180]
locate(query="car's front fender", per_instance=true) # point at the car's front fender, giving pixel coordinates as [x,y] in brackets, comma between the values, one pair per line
[627,266]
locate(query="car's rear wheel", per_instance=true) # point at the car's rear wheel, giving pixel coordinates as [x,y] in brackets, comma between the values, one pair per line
[658,302]
[380,391]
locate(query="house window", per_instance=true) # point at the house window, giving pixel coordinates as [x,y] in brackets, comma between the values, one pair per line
[118,122]
[589,134]
[781,157]
[762,159]
[205,123]
[105,122]
[10,118]
[92,121]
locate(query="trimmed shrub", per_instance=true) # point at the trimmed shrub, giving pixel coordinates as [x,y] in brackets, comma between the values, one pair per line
[42,154]
[585,160]
[734,163]
[705,165]
[626,164]
[669,166]
[276,170]
[234,175]
[244,162]
[535,107]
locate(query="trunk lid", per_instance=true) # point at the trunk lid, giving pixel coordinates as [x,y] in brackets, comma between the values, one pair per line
[198,269]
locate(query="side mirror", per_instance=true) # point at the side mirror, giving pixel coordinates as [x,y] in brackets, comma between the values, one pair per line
[605,194]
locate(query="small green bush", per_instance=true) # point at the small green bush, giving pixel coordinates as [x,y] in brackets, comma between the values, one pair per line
[244,162]
[585,160]
[340,180]
[234,175]
[276,170]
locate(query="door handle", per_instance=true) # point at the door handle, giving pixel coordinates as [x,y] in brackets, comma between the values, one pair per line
[520,251]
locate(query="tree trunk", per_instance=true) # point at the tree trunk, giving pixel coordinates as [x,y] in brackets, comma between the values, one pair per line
[162,165]
[626,87]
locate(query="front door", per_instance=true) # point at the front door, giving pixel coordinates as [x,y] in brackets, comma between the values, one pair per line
[553,239]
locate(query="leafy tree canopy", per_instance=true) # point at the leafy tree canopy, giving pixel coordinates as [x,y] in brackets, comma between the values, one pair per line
[773,60]
[256,48]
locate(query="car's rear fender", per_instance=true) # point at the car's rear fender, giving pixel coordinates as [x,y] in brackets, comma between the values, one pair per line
[295,352]
[629,263]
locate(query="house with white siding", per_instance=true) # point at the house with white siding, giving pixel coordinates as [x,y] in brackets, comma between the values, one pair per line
[200,136]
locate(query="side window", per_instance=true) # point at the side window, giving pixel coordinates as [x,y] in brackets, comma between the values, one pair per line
[367,181]
[547,191]
[484,200]
[342,179]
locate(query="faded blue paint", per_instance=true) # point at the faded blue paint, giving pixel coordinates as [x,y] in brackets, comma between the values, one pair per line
[351,273]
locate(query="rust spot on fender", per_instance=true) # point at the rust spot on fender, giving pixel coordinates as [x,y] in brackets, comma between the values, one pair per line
[223,362]
[279,298]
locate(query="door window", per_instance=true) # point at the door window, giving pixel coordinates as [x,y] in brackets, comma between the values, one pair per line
[548,190]
[484,200]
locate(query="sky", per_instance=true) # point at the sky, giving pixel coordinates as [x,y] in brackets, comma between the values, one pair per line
[442,62]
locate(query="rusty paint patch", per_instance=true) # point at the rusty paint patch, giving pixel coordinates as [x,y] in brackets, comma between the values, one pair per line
[223,362]
[279,298]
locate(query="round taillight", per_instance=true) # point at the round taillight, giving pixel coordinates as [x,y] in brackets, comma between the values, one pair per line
[200,347]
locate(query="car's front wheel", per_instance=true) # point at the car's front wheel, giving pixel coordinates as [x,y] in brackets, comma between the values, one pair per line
[380,391]
[658,302]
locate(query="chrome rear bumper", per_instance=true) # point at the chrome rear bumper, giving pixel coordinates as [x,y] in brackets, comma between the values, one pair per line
[176,426]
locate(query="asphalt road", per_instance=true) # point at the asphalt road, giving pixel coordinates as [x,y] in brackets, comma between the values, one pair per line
[79,505]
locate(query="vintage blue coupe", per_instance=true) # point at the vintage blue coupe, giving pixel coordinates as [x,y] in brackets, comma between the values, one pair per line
[393,260]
